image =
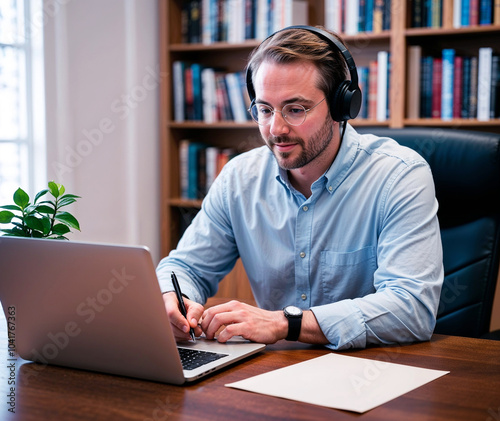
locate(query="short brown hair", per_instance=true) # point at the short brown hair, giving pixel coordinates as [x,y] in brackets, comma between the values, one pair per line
[293,45]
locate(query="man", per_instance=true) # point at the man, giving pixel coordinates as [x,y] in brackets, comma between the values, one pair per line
[340,226]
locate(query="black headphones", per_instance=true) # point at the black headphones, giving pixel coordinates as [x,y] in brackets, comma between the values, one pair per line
[346,100]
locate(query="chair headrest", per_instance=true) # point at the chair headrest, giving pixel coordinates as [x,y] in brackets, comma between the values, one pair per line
[465,166]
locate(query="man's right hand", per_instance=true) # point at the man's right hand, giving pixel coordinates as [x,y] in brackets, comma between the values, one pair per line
[179,323]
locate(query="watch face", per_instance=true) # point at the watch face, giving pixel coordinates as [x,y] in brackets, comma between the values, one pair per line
[293,311]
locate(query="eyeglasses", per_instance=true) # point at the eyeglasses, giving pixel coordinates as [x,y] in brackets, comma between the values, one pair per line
[294,114]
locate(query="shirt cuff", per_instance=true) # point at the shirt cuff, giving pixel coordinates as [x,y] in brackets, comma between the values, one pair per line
[185,284]
[342,323]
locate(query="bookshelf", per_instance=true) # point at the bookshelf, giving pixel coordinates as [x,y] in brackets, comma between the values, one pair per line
[231,56]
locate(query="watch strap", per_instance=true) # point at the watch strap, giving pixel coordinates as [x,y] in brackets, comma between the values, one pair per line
[294,324]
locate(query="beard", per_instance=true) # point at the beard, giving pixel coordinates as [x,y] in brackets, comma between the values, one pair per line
[318,143]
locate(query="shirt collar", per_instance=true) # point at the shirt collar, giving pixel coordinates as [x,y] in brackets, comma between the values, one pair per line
[334,176]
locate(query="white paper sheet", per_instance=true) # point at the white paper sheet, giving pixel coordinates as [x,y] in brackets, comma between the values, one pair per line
[341,382]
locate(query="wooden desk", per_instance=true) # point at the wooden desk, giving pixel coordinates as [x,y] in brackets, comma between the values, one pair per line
[470,392]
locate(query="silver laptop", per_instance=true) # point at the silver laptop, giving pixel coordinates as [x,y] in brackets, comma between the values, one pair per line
[98,307]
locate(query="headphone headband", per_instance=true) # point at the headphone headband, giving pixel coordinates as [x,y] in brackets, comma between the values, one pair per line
[346,101]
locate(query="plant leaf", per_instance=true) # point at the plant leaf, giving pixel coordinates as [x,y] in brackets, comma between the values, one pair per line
[59,237]
[65,201]
[11,207]
[21,198]
[46,222]
[40,194]
[6,217]
[44,209]
[14,232]
[37,234]
[30,210]
[62,189]
[74,196]
[34,223]
[54,189]
[68,219]
[60,229]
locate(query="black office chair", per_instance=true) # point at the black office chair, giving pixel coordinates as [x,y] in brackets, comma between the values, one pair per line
[466,171]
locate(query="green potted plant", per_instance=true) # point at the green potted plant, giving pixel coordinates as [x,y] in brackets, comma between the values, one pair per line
[40,219]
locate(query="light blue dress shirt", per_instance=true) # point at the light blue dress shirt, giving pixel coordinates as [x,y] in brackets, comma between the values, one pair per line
[363,252]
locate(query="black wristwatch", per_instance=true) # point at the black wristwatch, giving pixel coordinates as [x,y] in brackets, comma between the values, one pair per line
[294,316]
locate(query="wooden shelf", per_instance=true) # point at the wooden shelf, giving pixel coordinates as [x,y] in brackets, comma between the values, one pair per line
[455,123]
[183,203]
[467,30]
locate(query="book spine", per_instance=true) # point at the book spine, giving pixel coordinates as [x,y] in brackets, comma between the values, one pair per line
[484,83]
[183,168]
[178,90]
[236,98]
[495,87]
[426,88]
[465,12]
[473,87]
[466,88]
[437,80]
[372,90]
[458,84]
[448,57]
[457,13]
[474,12]
[485,12]
[413,81]
[383,63]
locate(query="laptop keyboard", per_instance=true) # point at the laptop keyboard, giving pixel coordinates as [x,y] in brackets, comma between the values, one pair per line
[194,358]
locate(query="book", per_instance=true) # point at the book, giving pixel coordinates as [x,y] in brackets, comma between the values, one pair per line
[382,84]
[473,87]
[351,17]
[372,89]
[485,12]
[437,80]
[196,69]
[209,96]
[457,13]
[413,81]
[466,87]
[447,84]
[333,15]
[458,84]
[363,74]
[473,12]
[211,168]
[378,16]
[236,99]
[426,87]
[178,90]
[484,83]
[183,168]
[495,87]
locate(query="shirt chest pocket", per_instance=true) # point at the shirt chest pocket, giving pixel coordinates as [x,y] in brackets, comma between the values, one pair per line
[347,275]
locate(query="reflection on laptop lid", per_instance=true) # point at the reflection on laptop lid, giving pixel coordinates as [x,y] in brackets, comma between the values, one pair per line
[97,307]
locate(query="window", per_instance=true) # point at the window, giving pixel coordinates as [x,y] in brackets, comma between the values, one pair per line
[22,149]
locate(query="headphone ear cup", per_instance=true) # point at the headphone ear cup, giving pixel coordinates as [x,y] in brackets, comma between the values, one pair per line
[346,103]
[338,108]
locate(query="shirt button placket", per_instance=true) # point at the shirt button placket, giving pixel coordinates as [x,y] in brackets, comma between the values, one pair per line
[303,235]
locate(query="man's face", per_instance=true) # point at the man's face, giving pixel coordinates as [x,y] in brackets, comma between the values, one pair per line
[295,146]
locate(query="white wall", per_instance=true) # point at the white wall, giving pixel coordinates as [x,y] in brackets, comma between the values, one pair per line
[102,98]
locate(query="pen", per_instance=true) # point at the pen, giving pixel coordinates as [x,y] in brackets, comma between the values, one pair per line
[181,302]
